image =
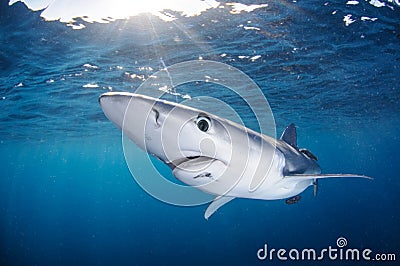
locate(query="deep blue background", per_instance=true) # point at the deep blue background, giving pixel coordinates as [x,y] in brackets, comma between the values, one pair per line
[68,198]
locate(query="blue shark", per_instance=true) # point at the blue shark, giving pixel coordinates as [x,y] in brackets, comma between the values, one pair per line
[214,154]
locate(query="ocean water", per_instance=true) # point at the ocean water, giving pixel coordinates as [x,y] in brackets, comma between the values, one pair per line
[67,196]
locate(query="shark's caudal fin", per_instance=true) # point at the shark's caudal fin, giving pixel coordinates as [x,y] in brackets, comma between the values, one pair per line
[217,203]
[314,177]
[290,136]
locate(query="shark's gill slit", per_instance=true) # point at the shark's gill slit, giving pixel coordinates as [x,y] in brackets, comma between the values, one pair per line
[156,116]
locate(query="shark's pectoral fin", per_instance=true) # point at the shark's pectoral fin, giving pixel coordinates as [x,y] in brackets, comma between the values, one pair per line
[316,177]
[217,203]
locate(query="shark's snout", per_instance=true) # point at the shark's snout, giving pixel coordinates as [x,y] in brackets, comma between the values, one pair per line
[114,106]
[171,132]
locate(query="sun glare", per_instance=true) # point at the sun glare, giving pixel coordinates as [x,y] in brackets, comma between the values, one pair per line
[104,11]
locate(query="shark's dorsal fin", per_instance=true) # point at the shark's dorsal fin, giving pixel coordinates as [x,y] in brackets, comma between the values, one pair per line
[290,136]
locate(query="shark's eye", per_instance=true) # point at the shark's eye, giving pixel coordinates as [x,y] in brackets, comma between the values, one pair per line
[203,123]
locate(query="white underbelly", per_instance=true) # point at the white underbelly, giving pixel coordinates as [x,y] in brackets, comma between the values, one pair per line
[255,179]
[271,185]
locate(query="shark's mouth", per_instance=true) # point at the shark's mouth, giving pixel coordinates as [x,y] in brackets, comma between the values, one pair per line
[198,170]
[197,162]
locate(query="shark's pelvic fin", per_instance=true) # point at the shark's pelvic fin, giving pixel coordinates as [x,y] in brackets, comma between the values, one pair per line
[217,203]
[290,136]
[316,177]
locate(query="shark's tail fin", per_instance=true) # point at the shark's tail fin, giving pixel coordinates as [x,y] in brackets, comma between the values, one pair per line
[314,177]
